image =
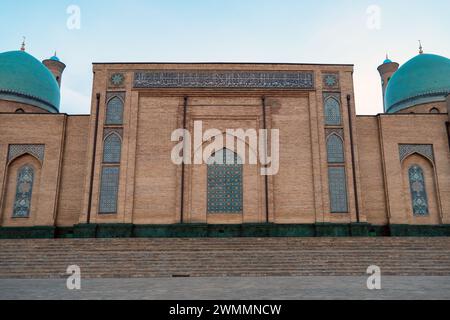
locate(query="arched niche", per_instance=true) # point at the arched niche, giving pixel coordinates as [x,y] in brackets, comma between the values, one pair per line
[15,171]
[418,165]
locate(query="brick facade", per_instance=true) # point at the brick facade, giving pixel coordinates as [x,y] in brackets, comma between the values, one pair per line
[150,189]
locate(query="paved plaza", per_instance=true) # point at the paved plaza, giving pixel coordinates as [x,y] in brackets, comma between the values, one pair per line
[287,288]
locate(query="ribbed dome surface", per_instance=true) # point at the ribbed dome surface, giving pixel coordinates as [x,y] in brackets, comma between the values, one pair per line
[424,78]
[25,79]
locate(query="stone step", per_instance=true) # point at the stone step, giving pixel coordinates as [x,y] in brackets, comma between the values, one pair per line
[109,258]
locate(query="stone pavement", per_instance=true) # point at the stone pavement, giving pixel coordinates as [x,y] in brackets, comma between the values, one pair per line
[288,288]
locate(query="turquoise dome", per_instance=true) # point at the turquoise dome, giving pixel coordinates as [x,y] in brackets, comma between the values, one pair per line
[25,79]
[387,61]
[425,78]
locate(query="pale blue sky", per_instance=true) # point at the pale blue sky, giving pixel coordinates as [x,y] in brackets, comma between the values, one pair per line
[327,31]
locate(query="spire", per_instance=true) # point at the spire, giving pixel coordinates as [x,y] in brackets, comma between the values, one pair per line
[420,47]
[22,48]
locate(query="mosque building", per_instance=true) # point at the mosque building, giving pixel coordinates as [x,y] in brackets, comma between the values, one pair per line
[110,173]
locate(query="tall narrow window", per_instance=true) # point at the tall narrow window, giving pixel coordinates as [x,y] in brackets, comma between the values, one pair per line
[335,148]
[24,191]
[418,191]
[225,183]
[332,112]
[112,149]
[109,189]
[114,112]
[338,189]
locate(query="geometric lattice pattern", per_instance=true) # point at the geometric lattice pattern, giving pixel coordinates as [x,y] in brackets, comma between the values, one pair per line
[109,190]
[335,148]
[112,149]
[225,183]
[425,150]
[16,150]
[332,112]
[24,191]
[418,191]
[114,112]
[331,80]
[338,189]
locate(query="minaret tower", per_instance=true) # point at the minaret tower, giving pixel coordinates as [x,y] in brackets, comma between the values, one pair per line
[56,67]
[387,70]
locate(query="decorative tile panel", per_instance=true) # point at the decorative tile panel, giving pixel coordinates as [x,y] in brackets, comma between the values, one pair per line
[109,190]
[225,184]
[338,189]
[425,150]
[418,191]
[331,80]
[224,79]
[117,80]
[17,150]
[24,191]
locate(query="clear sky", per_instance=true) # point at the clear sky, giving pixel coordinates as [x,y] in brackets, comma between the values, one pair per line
[310,31]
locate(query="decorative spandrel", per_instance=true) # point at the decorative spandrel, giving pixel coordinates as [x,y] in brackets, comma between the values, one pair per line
[418,191]
[224,79]
[225,183]
[24,192]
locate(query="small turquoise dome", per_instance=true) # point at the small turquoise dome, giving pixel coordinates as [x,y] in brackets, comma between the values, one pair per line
[425,78]
[54,58]
[25,79]
[387,61]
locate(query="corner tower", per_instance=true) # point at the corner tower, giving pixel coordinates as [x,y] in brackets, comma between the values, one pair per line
[56,67]
[387,70]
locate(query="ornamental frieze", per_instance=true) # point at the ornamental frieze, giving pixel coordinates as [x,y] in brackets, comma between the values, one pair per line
[224,79]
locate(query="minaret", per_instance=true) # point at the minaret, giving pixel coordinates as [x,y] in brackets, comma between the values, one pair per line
[56,67]
[387,70]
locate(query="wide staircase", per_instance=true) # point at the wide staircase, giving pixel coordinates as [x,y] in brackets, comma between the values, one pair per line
[131,258]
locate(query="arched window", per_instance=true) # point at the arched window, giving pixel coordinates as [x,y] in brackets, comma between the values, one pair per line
[109,190]
[112,149]
[20,110]
[338,189]
[114,112]
[24,191]
[418,191]
[335,148]
[225,183]
[332,112]
[434,110]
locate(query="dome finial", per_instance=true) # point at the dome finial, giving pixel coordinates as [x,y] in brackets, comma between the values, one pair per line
[22,48]
[420,47]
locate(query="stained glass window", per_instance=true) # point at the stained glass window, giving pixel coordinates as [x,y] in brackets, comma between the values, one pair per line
[338,189]
[114,112]
[225,183]
[112,149]
[109,189]
[332,112]
[418,191]
[24,190]
[335,148]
